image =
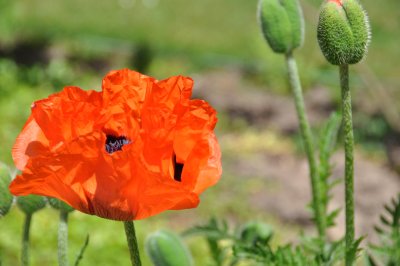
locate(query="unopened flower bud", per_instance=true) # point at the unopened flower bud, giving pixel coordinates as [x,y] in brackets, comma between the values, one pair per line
[31,203]
[5,195]
[282,24]
[343,31]
[59,205]
[165,248]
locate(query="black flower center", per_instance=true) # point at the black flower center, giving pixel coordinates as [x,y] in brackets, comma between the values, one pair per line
[178,168]
[114,143]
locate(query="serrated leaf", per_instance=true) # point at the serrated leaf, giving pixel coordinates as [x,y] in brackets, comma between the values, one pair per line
[332,216]
[389,209]
[328,137]
[385,220]
[389,232]
[354,250]
[379,230]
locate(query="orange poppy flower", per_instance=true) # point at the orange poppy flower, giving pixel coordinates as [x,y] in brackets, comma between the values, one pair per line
[137,148]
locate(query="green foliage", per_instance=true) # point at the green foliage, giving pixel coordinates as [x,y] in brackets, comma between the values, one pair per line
[388,252]
[282,256]
[325,253]
[165,248]
[252,244]
[343,31]
[256,232]
[215,231]
[5,196]
[31,203]
[82,251]
[282,24]
[326,145]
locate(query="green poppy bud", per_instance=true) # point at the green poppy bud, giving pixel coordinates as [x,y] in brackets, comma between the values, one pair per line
[5,196]
[167,249]
[256,232]
[282,24]
[343,31]
[59,205]
[31,203]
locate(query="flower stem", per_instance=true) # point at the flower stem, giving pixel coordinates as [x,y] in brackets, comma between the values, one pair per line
[132,243]
[25,240]
[63,239]
[317,204]
[349,161]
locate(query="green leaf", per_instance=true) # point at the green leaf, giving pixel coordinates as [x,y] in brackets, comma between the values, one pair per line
[388,251]
[82,251]
[217,229]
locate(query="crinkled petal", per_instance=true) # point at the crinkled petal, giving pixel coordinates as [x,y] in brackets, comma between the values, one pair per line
[197,121]
[83,175]
[126,86]
[168,100]
[124,93]
[68,114]
[29,143]
[202,168]
[171,91]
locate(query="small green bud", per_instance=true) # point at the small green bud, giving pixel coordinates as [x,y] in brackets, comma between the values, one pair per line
[5,196]
[31,203]
[343,31]
[256,232]
[282,24]
[59,205]
[167,249]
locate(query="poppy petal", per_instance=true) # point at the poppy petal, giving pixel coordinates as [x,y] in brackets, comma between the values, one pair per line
[203,168]
[200,119]
[68,114]
[171,91]
[126,87]
[31,136]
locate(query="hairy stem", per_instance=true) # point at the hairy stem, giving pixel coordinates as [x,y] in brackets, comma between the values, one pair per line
[316,186]
[349,161]
[25,240]
[63,239]
[132,243]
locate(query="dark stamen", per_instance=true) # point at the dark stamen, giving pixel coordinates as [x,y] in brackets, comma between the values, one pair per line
[178,168]
[114,143]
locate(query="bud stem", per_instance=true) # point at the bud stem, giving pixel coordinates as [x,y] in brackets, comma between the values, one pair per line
[25,240]
[317,204]
[63,239]
[132,243]
[349,161]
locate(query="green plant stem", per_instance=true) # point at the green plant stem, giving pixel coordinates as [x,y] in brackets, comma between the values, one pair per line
[316,186]
[63,239]
[132,243]
[349,161]
[25,240]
